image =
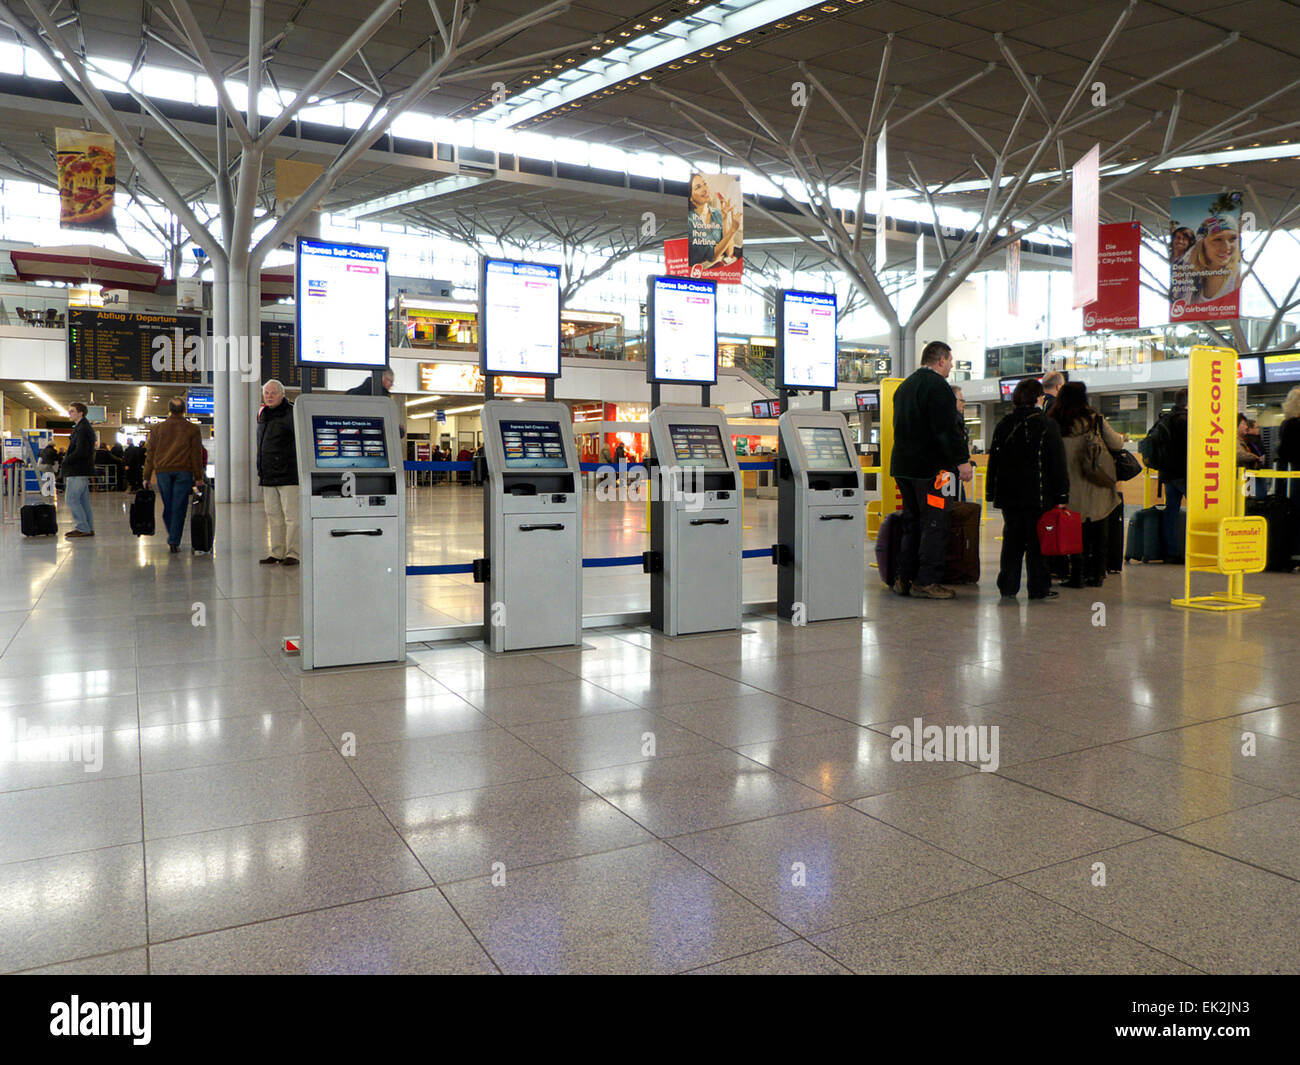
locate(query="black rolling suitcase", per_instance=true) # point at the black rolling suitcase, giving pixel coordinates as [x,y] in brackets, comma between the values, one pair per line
[1115,540]
[142,513]
[203,518]
[1283,518]
[39,519]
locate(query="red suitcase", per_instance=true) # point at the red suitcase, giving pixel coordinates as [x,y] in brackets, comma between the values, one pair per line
[1060,532]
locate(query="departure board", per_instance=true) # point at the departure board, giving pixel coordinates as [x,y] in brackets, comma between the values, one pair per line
[278,357]
[121,346]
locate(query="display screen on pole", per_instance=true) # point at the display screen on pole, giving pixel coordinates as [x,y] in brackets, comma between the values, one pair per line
[824,447]
[683,331]
[867,401]
[532,445]
[200,402]
[697,445]
[1282,368]
[806,340]
[349,443]
[341,304]
[519,318]
[1249,371]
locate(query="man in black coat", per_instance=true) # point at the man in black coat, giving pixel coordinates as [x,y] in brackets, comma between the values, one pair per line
[1027,476]
[277,473]
[367,387]
[929,441]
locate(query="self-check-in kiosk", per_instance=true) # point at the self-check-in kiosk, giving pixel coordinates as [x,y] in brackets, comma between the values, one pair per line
[820,519]
[353,518]
[695,522]
[532,520]
[531,569]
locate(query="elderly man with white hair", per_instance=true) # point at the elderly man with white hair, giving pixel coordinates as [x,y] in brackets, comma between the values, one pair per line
[277,473]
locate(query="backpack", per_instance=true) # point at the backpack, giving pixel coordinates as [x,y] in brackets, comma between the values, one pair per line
[1154,447]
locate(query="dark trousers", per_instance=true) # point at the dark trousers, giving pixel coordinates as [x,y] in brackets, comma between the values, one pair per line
[925,532]
[1091,565]
[1175,492]
[175,491]
[1020,543]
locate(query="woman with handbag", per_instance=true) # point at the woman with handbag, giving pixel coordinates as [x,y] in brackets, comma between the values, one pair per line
[1089,443]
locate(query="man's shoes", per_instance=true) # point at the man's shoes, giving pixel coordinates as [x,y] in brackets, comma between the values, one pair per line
[1072,584]
[76,534]
[289,560]
[1094,582]
[932,591]
[270,560]
[901,587]
[1050,594]
[175,548]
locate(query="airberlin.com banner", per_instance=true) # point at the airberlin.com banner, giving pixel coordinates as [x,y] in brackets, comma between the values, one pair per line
[1205,257]
[715,222]
[1118,283]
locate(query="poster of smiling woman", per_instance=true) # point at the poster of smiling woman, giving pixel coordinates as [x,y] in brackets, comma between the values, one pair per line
[1205,257]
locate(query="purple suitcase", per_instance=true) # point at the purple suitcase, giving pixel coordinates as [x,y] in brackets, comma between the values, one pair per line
[889,545]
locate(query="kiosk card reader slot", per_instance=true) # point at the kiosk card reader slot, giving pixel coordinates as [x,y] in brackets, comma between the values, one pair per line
[695,522]
[531,568]
[353,514]
[820,519]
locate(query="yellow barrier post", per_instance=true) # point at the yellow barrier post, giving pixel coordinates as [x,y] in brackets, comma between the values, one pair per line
[1220,539]
[890,500]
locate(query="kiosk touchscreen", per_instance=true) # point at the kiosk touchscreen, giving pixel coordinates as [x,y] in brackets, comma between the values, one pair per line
[820,519]
[695,522]
[353,517]
[531,571]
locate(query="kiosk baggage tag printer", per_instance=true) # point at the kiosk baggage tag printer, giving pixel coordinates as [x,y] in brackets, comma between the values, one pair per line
[820,519]
[353,514]
[695,535]
[532,522]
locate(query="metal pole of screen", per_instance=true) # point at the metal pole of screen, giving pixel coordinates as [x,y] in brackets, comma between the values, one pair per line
[826,401]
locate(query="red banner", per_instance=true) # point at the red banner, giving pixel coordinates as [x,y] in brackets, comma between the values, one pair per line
[677,263]
[1118,283]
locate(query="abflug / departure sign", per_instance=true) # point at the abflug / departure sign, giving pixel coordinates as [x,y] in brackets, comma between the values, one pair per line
[521,319]
[342,304]
[685,328]
[808,343]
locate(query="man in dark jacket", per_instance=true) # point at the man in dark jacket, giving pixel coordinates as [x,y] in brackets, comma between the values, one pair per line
[277,473]
[134,458]
[1027,476]
[175,464]
[367,387]
[78,469]
[1173,475]
[927,445]
[1051,389]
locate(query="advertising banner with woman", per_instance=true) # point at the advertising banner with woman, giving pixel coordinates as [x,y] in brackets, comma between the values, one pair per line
[1205,257]
[715,226]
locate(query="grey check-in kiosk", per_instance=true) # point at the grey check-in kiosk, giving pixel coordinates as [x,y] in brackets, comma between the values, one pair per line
[820,519]
[532,528]
[353,520]
[695,522]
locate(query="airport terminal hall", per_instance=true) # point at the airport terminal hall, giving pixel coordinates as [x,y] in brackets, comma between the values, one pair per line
[713,487]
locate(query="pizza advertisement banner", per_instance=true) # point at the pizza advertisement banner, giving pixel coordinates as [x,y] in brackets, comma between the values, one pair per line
[87,179]
[715,227]
[1205,257]
[1118,280]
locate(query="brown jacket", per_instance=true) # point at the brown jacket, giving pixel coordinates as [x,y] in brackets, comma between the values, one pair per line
[174,447]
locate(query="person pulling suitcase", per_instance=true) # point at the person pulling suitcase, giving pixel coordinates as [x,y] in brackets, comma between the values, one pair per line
[174,462]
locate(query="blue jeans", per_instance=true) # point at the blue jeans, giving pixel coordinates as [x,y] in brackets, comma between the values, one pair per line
[76,493]
[1175,492]
[175,491]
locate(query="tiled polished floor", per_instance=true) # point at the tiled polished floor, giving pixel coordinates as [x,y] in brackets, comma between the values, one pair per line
[725,803]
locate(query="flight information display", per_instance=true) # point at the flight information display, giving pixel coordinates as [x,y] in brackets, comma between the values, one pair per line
[1282,368]
[867,401]
[520,318]
[807,340]
[684,331]
[698,445]
[824,447]
[278,357]
[144,348]
[533,445]
[200,402]
[341,304]
[349,443]
[1249,371]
